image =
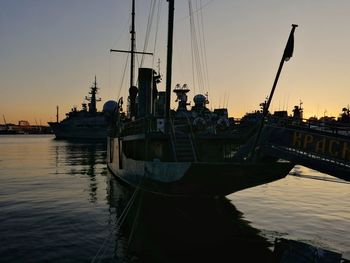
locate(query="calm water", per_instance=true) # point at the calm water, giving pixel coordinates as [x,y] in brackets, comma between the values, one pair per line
[58,203]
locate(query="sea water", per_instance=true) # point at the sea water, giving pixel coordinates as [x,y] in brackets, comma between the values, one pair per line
[59,203]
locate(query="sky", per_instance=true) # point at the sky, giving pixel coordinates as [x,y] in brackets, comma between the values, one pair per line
[51,50]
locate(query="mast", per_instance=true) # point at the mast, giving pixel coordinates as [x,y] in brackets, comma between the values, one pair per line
[132,50]
[169,58]
[288,51]
[93,99]
[132,89]
[57,116]
[287,54]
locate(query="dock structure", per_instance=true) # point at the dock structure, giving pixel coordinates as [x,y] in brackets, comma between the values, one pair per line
[324,150]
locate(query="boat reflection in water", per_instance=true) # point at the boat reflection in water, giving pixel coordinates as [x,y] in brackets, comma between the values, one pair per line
[112,221]
[142,227]
[161,229]
[80,158]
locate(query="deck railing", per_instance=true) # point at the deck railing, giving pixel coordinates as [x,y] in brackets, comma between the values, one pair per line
[330,126]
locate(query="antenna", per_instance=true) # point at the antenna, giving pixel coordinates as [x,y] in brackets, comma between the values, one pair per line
[93,99]
[57,120]
[158,66]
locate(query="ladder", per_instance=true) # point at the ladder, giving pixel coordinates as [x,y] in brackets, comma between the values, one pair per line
[183,141]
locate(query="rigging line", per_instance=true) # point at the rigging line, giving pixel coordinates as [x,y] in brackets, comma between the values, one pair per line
[109,74]
[195,11]
[195,49]
[205,50]
[198,62]
[148,30]
[102,247]
[192,54]
[123,76]
[197,33]
[123,32]
[201,52]
[228,97]
[156,33]
[224,102]
[200,46]
[120,222]
[138,66]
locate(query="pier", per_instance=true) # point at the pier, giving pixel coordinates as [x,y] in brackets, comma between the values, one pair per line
[326,150]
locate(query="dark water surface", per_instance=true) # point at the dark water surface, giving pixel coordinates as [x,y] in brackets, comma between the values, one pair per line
[59,203]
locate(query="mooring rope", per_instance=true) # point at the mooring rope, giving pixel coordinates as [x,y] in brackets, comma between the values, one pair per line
[118,224]
[315,177]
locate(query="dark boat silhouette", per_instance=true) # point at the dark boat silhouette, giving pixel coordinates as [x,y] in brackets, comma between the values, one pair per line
[87,123]
[183,152]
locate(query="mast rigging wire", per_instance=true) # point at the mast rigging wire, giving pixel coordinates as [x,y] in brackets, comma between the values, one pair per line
[123,76]
[195,11]
[204,49]
[156,33]
[198,49]
[148,29]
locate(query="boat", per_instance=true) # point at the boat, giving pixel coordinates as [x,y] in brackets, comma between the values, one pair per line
[189,151]
[86,124]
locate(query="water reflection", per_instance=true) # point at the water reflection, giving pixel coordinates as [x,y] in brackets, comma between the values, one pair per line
[161,229]
[81,158]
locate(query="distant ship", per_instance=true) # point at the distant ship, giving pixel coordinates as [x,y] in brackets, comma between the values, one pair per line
[86,123]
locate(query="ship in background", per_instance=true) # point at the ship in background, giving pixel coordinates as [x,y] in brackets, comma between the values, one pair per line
[87,123]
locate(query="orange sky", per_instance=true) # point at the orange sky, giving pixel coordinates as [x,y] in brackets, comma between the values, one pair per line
[51,51]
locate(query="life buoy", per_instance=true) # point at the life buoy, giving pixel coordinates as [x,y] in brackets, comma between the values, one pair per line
[222,124]
[199,123]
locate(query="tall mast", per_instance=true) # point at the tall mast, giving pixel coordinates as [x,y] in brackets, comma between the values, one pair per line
[93,99]
[132,50]
[57,116]
[132,89]
[169,58]
[287,54]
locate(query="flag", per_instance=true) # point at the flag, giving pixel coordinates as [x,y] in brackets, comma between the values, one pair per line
[288,51]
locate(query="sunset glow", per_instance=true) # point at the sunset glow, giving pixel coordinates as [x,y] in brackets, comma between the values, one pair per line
[51,50]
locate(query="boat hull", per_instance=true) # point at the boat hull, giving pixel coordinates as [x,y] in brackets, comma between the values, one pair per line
[62,131]
[192,178]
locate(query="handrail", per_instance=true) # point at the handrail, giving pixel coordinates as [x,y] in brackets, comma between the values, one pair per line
[172,138]
[192,139]
[323,125]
